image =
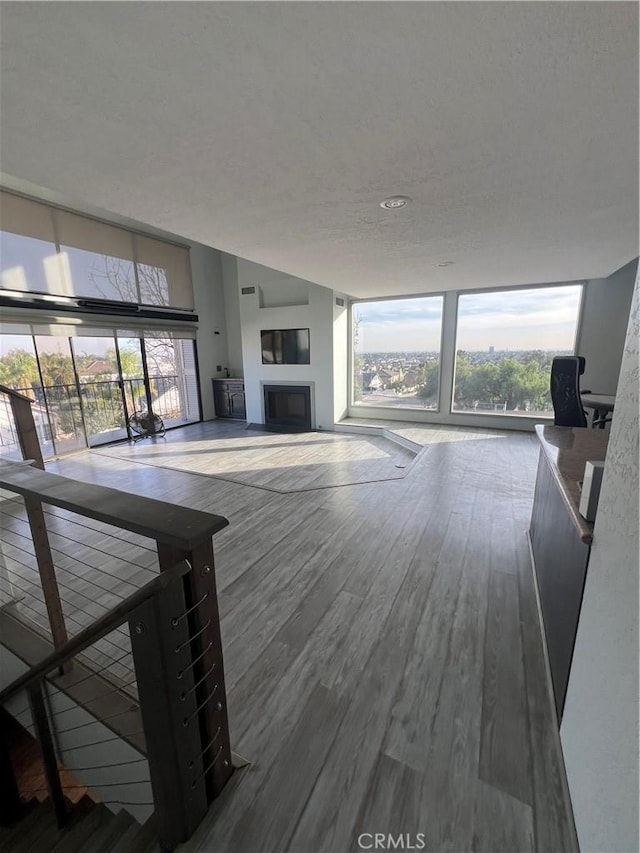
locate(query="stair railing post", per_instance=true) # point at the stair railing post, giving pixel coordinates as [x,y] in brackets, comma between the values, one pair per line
[10,803]
[208,666]
[47,749]
[30,448]
[46,570]
[167,691]
[25,425]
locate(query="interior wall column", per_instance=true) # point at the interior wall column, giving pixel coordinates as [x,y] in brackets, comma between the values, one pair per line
[448,351]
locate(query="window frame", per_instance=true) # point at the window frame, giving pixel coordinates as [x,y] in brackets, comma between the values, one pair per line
[510,289]
[351,359]
[445,414]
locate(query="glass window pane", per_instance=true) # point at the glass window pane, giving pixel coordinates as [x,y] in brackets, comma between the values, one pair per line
[19,371]
[97,276]
[98,258]
[132,373]
[396,352]
[505,343]
[164,273]
[171,369]
[29,265]
[60,393]
[154,287]
[100,389]
[28,259]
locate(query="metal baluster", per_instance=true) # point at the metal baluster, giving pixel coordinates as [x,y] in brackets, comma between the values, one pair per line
[41,723]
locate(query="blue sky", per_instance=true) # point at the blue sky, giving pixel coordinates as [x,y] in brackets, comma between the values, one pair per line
[526,319]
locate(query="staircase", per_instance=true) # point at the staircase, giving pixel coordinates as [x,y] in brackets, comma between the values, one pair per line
[92,827]
[151,736]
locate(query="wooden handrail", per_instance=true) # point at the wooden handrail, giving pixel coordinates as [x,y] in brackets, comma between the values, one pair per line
[185,552]
[100,628]
[169,524]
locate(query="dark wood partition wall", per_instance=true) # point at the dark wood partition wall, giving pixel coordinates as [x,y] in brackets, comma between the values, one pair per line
[561,559]
[561,541]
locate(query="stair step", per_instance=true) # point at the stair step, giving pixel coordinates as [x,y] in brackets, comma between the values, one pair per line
[42,824]
[146,839]
[76,834]
[9,833]
[116,827]
[125,843]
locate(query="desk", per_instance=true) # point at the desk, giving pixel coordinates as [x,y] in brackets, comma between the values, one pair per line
[600,403]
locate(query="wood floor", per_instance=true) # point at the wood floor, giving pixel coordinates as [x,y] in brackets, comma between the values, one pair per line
[296,462]
[382,652]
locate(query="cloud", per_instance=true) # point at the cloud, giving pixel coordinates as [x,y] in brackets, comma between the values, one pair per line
[542,318]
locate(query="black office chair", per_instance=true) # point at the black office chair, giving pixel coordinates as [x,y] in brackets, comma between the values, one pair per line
[565,391]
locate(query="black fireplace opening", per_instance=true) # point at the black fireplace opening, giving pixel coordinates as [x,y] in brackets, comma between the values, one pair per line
[287,408]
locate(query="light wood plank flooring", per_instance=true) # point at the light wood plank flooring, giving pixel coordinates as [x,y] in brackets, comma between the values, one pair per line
[382,651]
[279,462]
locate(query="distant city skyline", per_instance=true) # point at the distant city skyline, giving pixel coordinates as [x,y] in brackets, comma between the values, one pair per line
[544,318]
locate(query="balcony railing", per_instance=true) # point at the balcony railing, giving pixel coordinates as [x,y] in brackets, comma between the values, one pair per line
[95,415]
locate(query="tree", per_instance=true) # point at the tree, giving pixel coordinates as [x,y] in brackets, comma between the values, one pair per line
[130,361]
[57,369]
[19,370]
[429,378]
[113,276]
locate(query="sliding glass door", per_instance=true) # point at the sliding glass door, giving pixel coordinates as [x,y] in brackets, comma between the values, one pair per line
[85,388]
[19,371]
[60,392]
[100,388]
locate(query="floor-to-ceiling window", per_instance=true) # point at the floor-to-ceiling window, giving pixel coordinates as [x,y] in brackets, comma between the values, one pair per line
[505,343]
[100,388]
[172,376]
[97,325]
[84,388]
[396,352]
[59,392]
[19,370]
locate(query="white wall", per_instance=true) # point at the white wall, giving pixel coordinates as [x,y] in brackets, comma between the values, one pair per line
[340,358]
[232,314]
[208,296]
[605,314]
[600,724]
[314,310]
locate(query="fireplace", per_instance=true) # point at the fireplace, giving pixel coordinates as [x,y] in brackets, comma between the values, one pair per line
[287,408]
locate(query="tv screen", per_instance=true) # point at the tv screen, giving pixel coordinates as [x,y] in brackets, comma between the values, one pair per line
[285,346]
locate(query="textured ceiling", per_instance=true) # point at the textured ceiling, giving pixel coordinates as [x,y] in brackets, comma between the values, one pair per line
[273,130]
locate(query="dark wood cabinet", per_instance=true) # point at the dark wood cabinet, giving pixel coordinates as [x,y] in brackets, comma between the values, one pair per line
[228,398]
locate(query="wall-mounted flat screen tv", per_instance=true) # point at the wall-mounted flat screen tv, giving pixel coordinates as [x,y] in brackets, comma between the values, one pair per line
[285,346]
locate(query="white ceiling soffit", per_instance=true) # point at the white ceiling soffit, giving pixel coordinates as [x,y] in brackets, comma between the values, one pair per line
[273,131]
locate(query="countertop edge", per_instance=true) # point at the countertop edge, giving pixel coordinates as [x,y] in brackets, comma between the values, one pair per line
[584,527]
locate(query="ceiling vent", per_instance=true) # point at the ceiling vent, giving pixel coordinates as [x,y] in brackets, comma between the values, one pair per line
[340,301]
[247,290]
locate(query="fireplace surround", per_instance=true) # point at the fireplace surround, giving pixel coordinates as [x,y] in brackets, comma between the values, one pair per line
[287,408]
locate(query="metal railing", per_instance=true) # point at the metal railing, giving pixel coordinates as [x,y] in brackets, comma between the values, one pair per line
[170,631]
[70,413]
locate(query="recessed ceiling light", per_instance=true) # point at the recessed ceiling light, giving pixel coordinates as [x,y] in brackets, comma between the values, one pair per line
[445,264]
[395,202]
